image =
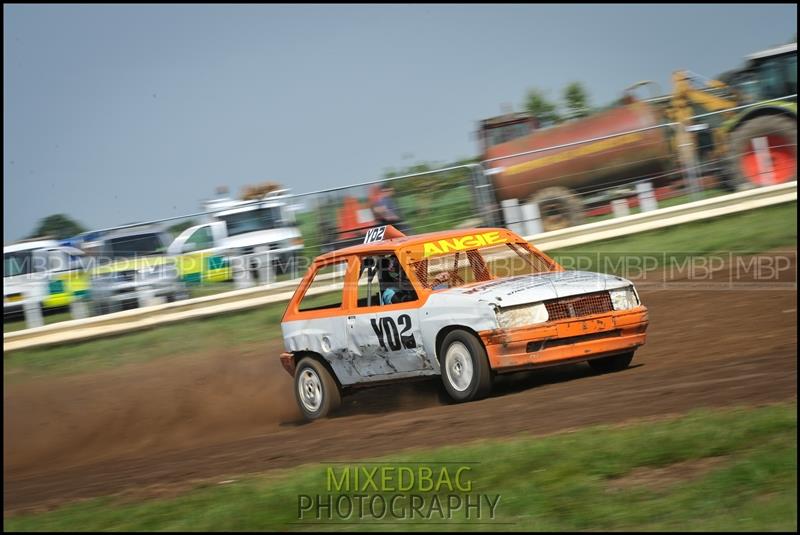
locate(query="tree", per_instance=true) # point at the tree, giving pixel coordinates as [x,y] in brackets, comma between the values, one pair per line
[576,100]
[541,108]
[58,226]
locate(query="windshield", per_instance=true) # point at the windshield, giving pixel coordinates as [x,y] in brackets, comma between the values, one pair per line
[501,134]
[252,220]
[17,264]
[132,246]
[478,265]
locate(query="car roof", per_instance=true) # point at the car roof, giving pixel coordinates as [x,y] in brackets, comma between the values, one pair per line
[133,231]
[29,245]
[407,241]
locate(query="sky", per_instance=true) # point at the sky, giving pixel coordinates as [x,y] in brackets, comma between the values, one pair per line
[121,113]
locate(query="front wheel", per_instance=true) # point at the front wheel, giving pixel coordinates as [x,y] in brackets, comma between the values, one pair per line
[465,367]
[614,363]
[315,389]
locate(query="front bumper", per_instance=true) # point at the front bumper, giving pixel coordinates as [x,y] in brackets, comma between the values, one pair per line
[569,340]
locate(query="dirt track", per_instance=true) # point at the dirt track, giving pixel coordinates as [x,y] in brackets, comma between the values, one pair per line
[161,426]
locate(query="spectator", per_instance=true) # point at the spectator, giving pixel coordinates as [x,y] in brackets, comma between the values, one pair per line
[385,210]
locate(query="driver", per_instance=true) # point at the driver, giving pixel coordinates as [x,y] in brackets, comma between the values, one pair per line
[395,287]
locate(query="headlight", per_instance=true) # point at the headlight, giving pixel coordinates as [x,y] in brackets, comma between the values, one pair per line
[521,315]
[623,298]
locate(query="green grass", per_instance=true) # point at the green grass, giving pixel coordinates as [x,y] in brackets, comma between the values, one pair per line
[753,231]
[18,322]
[748,232]
[569,481]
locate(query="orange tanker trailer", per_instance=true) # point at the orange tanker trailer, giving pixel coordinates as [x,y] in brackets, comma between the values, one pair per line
[625,148]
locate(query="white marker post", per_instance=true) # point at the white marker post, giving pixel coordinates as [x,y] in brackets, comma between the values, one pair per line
[265,268]
[512,215]
[647,197]
[78,308]
[241,272]
[532,219]
[620,207]
[32,307]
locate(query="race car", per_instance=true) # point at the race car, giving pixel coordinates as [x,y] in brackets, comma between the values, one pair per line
[466,305]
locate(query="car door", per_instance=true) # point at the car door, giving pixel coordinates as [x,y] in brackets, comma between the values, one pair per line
[384,337]
[318,321]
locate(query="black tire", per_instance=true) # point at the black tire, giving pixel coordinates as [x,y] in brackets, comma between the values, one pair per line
[611,364]
[457,347]
[559,207]
[741,145]
[312,377]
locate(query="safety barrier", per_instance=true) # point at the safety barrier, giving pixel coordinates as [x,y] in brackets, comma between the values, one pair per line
[237,300]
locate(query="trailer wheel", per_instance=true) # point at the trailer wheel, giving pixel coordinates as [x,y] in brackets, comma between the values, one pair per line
[779,133]
[559,208]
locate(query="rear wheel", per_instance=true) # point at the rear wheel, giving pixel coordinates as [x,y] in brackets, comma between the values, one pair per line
[559,208]
[614,363]
[315,389]
[465,367]
[764,152]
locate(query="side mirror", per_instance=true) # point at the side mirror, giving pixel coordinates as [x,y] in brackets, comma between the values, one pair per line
[189,247]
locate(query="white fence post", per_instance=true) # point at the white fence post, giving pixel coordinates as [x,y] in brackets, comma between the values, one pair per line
[147,297]
[620,207]
[265,268]
[32,307]
[532,219]
[647,197]
[78,308]
[241,272]
[512,215]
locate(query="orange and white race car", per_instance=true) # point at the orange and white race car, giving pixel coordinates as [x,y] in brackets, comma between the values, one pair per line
[466,305]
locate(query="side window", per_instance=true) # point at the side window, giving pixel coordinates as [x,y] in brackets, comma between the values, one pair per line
[383,281]
[200,239]
[368,290]
[319,295]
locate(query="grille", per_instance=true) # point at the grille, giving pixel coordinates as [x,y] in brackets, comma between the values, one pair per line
[578,306]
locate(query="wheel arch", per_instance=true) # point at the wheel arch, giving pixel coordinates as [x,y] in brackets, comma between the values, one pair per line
[762,111]
[442,334]
[297,356]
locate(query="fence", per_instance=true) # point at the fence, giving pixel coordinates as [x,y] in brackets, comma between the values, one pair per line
[478,194]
